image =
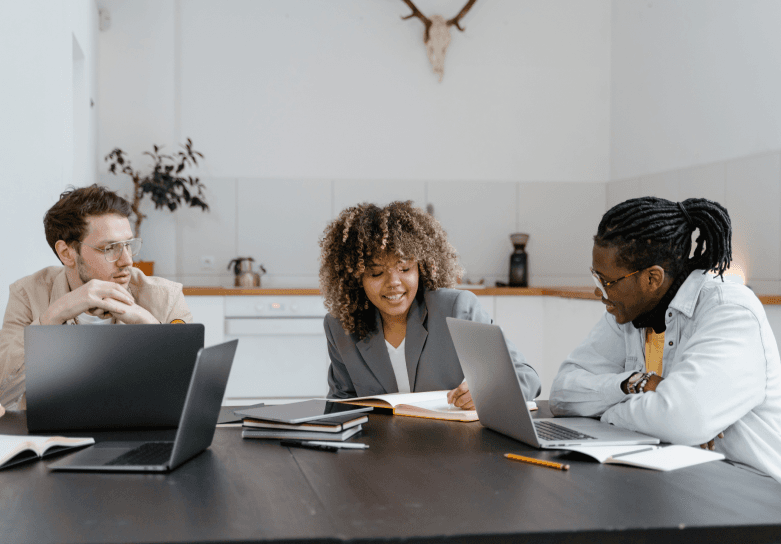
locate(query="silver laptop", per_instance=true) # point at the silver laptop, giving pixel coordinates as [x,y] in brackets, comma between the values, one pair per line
[196,425]
[500,403]
[106,377]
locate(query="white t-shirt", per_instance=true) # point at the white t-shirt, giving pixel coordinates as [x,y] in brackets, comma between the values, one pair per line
[87,319]
[399,364]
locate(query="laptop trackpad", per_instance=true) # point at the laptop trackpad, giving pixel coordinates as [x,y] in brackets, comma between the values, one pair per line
[598,429]
[95,456]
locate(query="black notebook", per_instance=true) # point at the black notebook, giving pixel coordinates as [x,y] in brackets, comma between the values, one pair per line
[228,414]
[284,434]
[334,424]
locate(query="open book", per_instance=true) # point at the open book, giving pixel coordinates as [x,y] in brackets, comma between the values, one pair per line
[16,449]
[429,404]
[654,457]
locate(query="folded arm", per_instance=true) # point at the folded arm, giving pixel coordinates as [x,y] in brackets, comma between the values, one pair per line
[718,379]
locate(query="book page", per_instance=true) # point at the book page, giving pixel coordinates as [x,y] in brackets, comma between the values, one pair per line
[11,445]
[438,405]
[669,458]
[394,399]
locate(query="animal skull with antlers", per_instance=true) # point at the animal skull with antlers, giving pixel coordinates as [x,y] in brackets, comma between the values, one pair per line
[437,36]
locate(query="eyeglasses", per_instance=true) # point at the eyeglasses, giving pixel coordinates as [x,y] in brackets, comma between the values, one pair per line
[603,285]
[113,252]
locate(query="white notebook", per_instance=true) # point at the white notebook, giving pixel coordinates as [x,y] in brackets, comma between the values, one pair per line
[662,458]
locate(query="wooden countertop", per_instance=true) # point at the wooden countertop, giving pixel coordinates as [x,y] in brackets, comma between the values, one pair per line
[565,292]
[585,293]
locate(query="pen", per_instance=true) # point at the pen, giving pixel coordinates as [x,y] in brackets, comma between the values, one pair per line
[533,461]
[633,452]
[345,445]
[294,444]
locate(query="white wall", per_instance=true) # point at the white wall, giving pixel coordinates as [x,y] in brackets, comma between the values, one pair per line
[343,89]
[48,137]
[693,82]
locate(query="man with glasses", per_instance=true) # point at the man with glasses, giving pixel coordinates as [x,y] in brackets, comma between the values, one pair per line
[680,354]
[89,231]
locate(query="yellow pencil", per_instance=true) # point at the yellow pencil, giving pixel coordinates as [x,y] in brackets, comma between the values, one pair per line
[533,461]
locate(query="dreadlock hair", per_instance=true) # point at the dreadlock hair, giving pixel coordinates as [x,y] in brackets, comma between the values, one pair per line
[365,233]
[653,231]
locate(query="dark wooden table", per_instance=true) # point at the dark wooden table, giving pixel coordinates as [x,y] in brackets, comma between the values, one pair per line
[421,481]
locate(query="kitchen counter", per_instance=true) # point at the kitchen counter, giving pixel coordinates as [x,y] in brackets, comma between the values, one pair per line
[565,292]
[585,293]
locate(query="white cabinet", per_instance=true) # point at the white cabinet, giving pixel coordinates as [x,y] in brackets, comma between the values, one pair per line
[546,329]
[282,351]
[209,311]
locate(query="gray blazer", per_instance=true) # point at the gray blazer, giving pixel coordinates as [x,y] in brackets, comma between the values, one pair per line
[361,368]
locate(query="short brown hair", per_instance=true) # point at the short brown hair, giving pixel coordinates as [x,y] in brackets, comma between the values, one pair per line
[367,232]
[67,219]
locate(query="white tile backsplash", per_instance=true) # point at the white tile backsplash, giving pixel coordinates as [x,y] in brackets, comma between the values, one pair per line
[478,218]
[211,233]
[279,222]
[561,219]
[706,181]
[618,191]
[661,185]
[753,200]
[348,193]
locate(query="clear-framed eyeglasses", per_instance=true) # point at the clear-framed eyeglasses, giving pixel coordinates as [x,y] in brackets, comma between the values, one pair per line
[113,252]
[603,285]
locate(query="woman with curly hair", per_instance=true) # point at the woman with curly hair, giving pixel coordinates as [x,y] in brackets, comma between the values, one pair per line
[386,275]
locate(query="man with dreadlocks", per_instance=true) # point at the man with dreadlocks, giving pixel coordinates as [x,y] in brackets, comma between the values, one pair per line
[385,274]
[680,354]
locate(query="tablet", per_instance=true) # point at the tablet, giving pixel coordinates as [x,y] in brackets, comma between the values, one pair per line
[299,412]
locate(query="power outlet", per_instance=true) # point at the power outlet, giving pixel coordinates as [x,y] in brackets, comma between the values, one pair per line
[207,262]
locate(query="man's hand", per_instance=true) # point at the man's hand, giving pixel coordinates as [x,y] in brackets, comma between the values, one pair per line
[96,296]
[711,444]
[652,383]
[134,314]
[461,397]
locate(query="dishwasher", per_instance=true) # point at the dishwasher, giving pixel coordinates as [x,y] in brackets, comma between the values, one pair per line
[282,351]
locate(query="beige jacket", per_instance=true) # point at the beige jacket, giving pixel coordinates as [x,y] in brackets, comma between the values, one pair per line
[31,296]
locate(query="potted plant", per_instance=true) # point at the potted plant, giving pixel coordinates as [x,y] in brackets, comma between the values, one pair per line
[166,184]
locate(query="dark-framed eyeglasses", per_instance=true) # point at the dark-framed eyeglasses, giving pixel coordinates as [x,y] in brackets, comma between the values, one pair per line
[112,252]
[603,285]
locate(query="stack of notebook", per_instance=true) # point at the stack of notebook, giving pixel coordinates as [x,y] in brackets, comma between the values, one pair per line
[335,428]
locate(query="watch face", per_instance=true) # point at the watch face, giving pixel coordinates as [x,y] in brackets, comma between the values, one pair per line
[636,377]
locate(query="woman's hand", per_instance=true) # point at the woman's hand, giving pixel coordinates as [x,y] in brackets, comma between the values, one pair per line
[461,397]
[711,444]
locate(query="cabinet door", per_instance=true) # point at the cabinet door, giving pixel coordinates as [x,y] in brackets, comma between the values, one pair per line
[546,329]
[282,351]
[522,321]
[209,311]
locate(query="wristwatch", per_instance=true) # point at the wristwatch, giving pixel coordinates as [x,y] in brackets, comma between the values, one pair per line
[632,382]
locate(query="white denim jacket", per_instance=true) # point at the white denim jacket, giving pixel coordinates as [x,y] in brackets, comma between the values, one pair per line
[721,372]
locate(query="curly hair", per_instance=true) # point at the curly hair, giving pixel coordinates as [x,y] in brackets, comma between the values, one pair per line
[650,230]
[367,233]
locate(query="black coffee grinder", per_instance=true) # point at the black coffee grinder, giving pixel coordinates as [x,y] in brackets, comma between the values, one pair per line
[519,264]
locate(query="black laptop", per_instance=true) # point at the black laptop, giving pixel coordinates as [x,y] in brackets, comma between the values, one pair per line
[195,432]
[108,377]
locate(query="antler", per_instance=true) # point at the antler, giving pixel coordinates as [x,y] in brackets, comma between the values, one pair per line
[455,20]
[417,13]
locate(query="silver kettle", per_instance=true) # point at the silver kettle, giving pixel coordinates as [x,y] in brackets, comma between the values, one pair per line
[245,277]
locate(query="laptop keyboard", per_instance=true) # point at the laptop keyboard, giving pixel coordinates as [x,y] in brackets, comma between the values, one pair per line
[550,431]
[150,453]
